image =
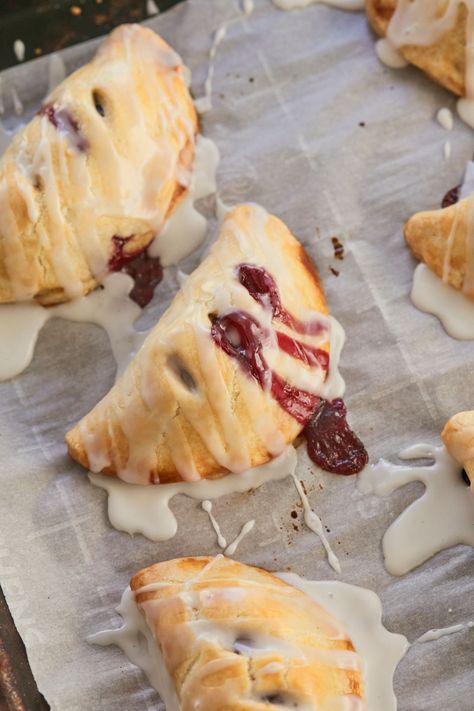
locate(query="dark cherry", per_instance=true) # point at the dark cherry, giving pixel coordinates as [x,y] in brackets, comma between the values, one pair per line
[332,445]
[451,197]
[65,123]
[240,336]
[146,271]
[262,287]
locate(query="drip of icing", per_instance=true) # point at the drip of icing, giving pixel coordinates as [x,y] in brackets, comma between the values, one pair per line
[314,523]
[145,509]
[56,71]
[204,103]
[152,8]
[137,642]
[19,49]
[358,610]
[442,517]
[447,150]
[431,295]
[353,5]
[186,228]
[17,103]
[248,6]
[433,635]
[207,507]
[389,55]
[445,118]
[108,307]
[246,528]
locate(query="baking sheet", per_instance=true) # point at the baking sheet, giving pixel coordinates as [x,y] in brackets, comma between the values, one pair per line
[290,92]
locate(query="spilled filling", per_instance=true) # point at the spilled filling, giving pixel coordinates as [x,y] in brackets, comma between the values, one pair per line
[146,271]
[331,443]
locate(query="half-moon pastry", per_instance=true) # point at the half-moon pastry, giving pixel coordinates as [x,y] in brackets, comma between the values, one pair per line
[458,437]
[89,182]
[444,241]
[236,638]
[230,374]
[434,35]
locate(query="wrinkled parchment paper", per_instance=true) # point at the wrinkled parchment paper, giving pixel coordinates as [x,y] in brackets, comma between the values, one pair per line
[312,126]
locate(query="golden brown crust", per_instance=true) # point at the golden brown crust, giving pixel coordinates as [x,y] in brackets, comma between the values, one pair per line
[223,391]
[458,436]
[439,239]
[299,644]
[444,61]
[69,182]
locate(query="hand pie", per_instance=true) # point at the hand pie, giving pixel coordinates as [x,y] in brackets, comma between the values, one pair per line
[236,638]
[229,375]
[431,34]
[89,182]
[458,437]
[444,241]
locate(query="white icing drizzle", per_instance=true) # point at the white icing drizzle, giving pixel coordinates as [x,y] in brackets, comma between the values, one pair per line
[19,49]
[56,71]
[108,307]
[355,610]
[246,528]
[445,118]
[431,295]
[138,644]
[314,523]
[447,150]
[187,228]
[204,103]
[146,509]
[389,55]
[340,4]
[467,187]
[248,6]
[152,8]
[435,634]
[207,507]
[442,517]
[17,103]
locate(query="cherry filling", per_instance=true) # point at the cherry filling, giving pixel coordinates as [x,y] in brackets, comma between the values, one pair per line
[332,445]
[66,124]
[261,286]
[146,271]
[451,197]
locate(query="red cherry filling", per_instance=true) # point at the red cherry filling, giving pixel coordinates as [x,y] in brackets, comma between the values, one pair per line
[66,124]
[332,445]
[146,271]
[261,286]
[451,197]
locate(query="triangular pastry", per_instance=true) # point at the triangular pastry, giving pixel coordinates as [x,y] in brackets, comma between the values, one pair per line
[458,436]
[229,375]
[236,638]
[434,35]
[92,178]
[444,241]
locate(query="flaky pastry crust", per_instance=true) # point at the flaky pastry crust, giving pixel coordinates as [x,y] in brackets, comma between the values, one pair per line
[185,409]
[236,638]
[108,156]
[458,437]
[444,61]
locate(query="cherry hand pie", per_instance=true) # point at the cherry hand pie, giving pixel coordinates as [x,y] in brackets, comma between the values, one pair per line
[444,241]
[232,372]
[89,182]
[434,35]
[236,638]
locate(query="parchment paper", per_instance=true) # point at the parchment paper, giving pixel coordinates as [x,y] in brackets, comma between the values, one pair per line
[312,126]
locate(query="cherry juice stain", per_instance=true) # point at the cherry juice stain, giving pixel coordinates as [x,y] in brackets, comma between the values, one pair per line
[145,271]
[338,248]
[332,445]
